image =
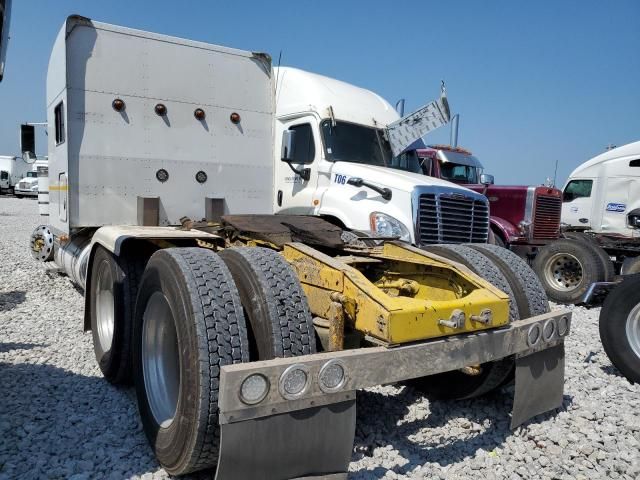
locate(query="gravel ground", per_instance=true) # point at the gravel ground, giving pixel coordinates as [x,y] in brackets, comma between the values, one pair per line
[60,419]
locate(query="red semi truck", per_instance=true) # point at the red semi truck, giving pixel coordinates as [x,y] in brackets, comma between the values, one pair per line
[524,219]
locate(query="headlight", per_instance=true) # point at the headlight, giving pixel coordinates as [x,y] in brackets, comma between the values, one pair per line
[34,188]
[387,226]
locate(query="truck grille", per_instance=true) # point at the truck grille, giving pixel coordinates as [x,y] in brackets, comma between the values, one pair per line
[546,217]
[444,218]
[23,185]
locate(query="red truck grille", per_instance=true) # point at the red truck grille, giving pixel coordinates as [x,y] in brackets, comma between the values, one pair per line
[546,217]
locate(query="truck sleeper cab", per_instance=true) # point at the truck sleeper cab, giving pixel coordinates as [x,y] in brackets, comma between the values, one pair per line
[238,326]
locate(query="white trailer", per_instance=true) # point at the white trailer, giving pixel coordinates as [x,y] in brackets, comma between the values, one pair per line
[157,146]
[12,171]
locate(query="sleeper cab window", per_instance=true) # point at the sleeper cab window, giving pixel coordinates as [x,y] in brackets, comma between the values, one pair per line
[58,113]
[577,189]
[305,150]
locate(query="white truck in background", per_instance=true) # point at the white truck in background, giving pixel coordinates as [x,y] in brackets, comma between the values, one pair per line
[28,186]
[156,145]
[600,207]
[12,171]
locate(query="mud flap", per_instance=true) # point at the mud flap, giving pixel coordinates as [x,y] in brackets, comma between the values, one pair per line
[539,384]
[313,443]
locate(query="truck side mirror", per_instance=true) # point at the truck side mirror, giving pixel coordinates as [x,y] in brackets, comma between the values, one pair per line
[28,143]
[486,179]
[288,151]
[633,218]
[288,145]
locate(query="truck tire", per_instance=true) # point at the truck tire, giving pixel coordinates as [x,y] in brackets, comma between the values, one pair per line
[530,295]
[112,300]
[607,264]
[566,268]
[457,385]
[620,327]
[495,239]
[278,318]
[188,323]
[630,266]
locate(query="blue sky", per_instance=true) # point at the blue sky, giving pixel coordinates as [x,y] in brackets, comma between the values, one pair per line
[534,82]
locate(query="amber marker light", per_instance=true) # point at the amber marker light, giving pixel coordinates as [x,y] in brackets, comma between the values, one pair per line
[199,114]
[118,105]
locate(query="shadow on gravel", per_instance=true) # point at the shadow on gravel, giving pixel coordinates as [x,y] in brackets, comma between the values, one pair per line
[9,300]
[55,423]
[611,370]
[450,447]
[8,346]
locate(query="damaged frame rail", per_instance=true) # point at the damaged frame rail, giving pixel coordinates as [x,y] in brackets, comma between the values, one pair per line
[263,422]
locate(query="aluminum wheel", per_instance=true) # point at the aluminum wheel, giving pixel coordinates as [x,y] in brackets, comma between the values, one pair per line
[160,359]
[105,307]
[563,271]
[633,330]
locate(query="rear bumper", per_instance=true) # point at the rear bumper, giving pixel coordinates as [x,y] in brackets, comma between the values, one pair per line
[314,432]
[367,367]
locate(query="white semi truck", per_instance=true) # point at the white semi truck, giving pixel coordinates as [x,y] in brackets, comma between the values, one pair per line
[12,170]
[601,208]
[28,185]
[246,333]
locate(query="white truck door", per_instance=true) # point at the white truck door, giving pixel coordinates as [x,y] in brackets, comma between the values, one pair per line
[577,202]
[294,195]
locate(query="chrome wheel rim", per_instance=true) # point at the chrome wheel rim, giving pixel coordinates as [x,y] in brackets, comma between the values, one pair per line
[160,359]
[563,272]
[105,307]
[633,330]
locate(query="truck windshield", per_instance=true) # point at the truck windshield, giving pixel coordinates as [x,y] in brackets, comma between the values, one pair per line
[458,173]
[350,142]
[410,162]
[32,175]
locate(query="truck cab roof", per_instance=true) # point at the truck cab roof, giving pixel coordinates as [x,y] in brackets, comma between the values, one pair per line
[592,168]
[298,91]
[450,155]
